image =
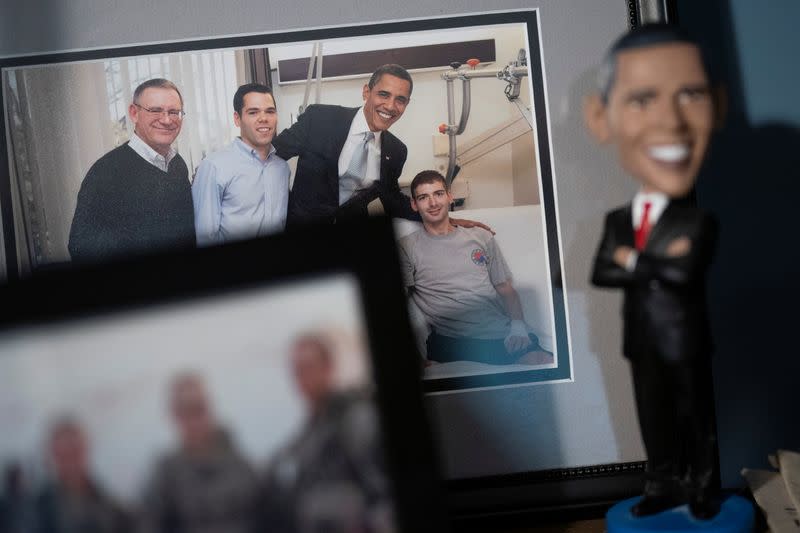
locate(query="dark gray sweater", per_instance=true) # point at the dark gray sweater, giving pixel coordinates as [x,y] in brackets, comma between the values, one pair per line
[128,206]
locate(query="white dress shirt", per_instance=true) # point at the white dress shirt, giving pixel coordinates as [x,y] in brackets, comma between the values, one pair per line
[658,202]
[354,139]
[150,155]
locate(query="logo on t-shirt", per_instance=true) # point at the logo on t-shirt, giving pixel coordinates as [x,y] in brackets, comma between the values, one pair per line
[479,257]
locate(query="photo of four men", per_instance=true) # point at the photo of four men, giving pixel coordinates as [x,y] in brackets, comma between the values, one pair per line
[139,197]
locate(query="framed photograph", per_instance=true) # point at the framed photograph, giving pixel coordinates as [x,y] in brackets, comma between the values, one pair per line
[482,75]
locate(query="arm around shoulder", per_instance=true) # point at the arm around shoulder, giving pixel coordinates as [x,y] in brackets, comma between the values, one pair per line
[293,140]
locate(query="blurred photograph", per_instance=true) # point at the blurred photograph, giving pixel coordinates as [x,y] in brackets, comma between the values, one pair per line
[157,423]
[204,483]
[331,471]
[74,500]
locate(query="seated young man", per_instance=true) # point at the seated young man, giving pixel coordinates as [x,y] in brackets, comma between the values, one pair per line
[459,280]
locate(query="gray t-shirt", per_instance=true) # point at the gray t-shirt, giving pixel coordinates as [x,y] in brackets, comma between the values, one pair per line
[453,277]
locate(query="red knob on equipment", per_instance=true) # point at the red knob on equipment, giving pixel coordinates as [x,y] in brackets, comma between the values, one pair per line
[473,62]
[442,128]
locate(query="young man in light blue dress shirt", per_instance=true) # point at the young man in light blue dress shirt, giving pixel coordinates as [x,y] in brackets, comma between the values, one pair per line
[242,190]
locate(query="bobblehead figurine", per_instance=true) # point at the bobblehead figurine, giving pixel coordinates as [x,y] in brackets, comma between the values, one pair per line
[656,106]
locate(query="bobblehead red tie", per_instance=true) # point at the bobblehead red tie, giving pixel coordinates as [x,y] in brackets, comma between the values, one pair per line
[643,231]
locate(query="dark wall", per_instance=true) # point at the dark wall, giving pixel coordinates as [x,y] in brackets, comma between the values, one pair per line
[752,183]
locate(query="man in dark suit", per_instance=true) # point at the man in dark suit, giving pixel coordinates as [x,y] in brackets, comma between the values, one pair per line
[327,137]
[348,162]
[656,104]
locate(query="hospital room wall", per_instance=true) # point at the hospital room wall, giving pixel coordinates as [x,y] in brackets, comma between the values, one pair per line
[493,179]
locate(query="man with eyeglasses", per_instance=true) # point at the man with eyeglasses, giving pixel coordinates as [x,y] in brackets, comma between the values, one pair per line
[242,190]
[137,197]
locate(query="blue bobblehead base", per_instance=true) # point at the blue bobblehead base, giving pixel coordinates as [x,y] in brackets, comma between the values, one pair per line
[736,515]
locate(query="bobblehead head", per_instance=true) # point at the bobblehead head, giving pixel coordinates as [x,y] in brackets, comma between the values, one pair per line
[656,106]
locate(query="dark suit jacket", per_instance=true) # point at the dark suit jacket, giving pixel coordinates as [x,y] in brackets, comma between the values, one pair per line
[664,309]
[317,138]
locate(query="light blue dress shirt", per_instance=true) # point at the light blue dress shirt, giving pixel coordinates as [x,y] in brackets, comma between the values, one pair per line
[237,195]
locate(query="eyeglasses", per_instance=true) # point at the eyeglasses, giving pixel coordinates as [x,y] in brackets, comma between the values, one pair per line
[171,113]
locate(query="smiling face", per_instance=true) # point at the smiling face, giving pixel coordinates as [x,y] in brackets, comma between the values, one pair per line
[257,121]
[157,129]
[386,102]
[660,115]
[432,202]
